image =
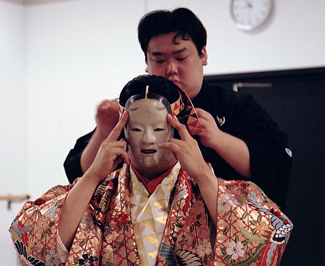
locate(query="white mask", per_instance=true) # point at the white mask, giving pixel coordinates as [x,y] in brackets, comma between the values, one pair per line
[146,128]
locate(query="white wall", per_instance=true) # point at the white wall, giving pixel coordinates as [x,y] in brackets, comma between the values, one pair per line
[59,59]
[78,53]
[13,95]
[293,38]
[13,138]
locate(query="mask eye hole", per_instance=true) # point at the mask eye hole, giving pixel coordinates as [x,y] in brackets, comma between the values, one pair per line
[159,129]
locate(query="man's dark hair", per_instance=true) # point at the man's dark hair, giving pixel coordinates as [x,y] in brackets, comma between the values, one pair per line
[182,21]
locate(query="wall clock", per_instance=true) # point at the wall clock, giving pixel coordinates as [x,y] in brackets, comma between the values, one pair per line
[250,14]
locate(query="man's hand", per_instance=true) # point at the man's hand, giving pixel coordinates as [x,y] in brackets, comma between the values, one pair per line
[232,149]
[107,116]
[209,134]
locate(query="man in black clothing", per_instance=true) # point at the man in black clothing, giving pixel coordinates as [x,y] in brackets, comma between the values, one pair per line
[239,138]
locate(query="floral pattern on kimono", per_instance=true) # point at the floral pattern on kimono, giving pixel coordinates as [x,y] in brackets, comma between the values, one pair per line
[251,230]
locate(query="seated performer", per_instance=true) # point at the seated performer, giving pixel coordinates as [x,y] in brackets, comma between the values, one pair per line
[164,206]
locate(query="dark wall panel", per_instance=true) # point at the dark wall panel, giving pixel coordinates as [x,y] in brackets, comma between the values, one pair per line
[296,100]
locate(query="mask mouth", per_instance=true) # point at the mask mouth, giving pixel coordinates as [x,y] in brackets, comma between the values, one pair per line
[148,151]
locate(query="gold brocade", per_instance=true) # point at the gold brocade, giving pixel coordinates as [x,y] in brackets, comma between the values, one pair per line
[149,214]
[251,229]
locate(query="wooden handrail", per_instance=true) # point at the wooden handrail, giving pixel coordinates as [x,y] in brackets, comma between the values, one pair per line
[11,198]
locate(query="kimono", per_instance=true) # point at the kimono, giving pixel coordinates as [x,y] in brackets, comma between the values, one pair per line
[250,228]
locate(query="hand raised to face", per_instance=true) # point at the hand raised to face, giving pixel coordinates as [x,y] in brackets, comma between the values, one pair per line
[111,152]
[186,150]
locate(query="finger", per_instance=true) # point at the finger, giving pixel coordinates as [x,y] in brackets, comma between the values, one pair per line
[203,115]
[116,132]
[125,155]
[114,104]
[199,111]
[176,146]
[119,156]
[108,147]
[104,105]
[113,151]
[107,104]
[182,130]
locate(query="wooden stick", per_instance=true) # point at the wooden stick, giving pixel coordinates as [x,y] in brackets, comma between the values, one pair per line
[11,198]
[14,198]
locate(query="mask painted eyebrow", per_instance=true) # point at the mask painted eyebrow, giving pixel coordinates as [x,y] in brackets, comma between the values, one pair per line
[161,108]
[133,109]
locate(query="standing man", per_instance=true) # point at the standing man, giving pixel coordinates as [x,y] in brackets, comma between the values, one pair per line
[238,137]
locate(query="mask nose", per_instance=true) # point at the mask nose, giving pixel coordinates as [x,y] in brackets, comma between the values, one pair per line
[148,137]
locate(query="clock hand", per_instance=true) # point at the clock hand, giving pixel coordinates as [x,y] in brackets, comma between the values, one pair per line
[249,3]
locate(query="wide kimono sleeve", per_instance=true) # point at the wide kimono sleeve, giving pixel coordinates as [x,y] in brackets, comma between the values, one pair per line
[34,231]
[251,229]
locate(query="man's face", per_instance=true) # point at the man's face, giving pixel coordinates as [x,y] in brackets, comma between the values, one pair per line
[146,128]
[179,62]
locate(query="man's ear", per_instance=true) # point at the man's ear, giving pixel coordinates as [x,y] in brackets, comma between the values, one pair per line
[204,56]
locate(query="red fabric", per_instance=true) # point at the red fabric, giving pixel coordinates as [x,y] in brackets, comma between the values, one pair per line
[151,185]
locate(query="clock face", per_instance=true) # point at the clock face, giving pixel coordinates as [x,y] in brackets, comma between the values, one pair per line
[250,14]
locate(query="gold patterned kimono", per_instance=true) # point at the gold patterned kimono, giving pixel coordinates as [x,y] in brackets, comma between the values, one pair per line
[251,230]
